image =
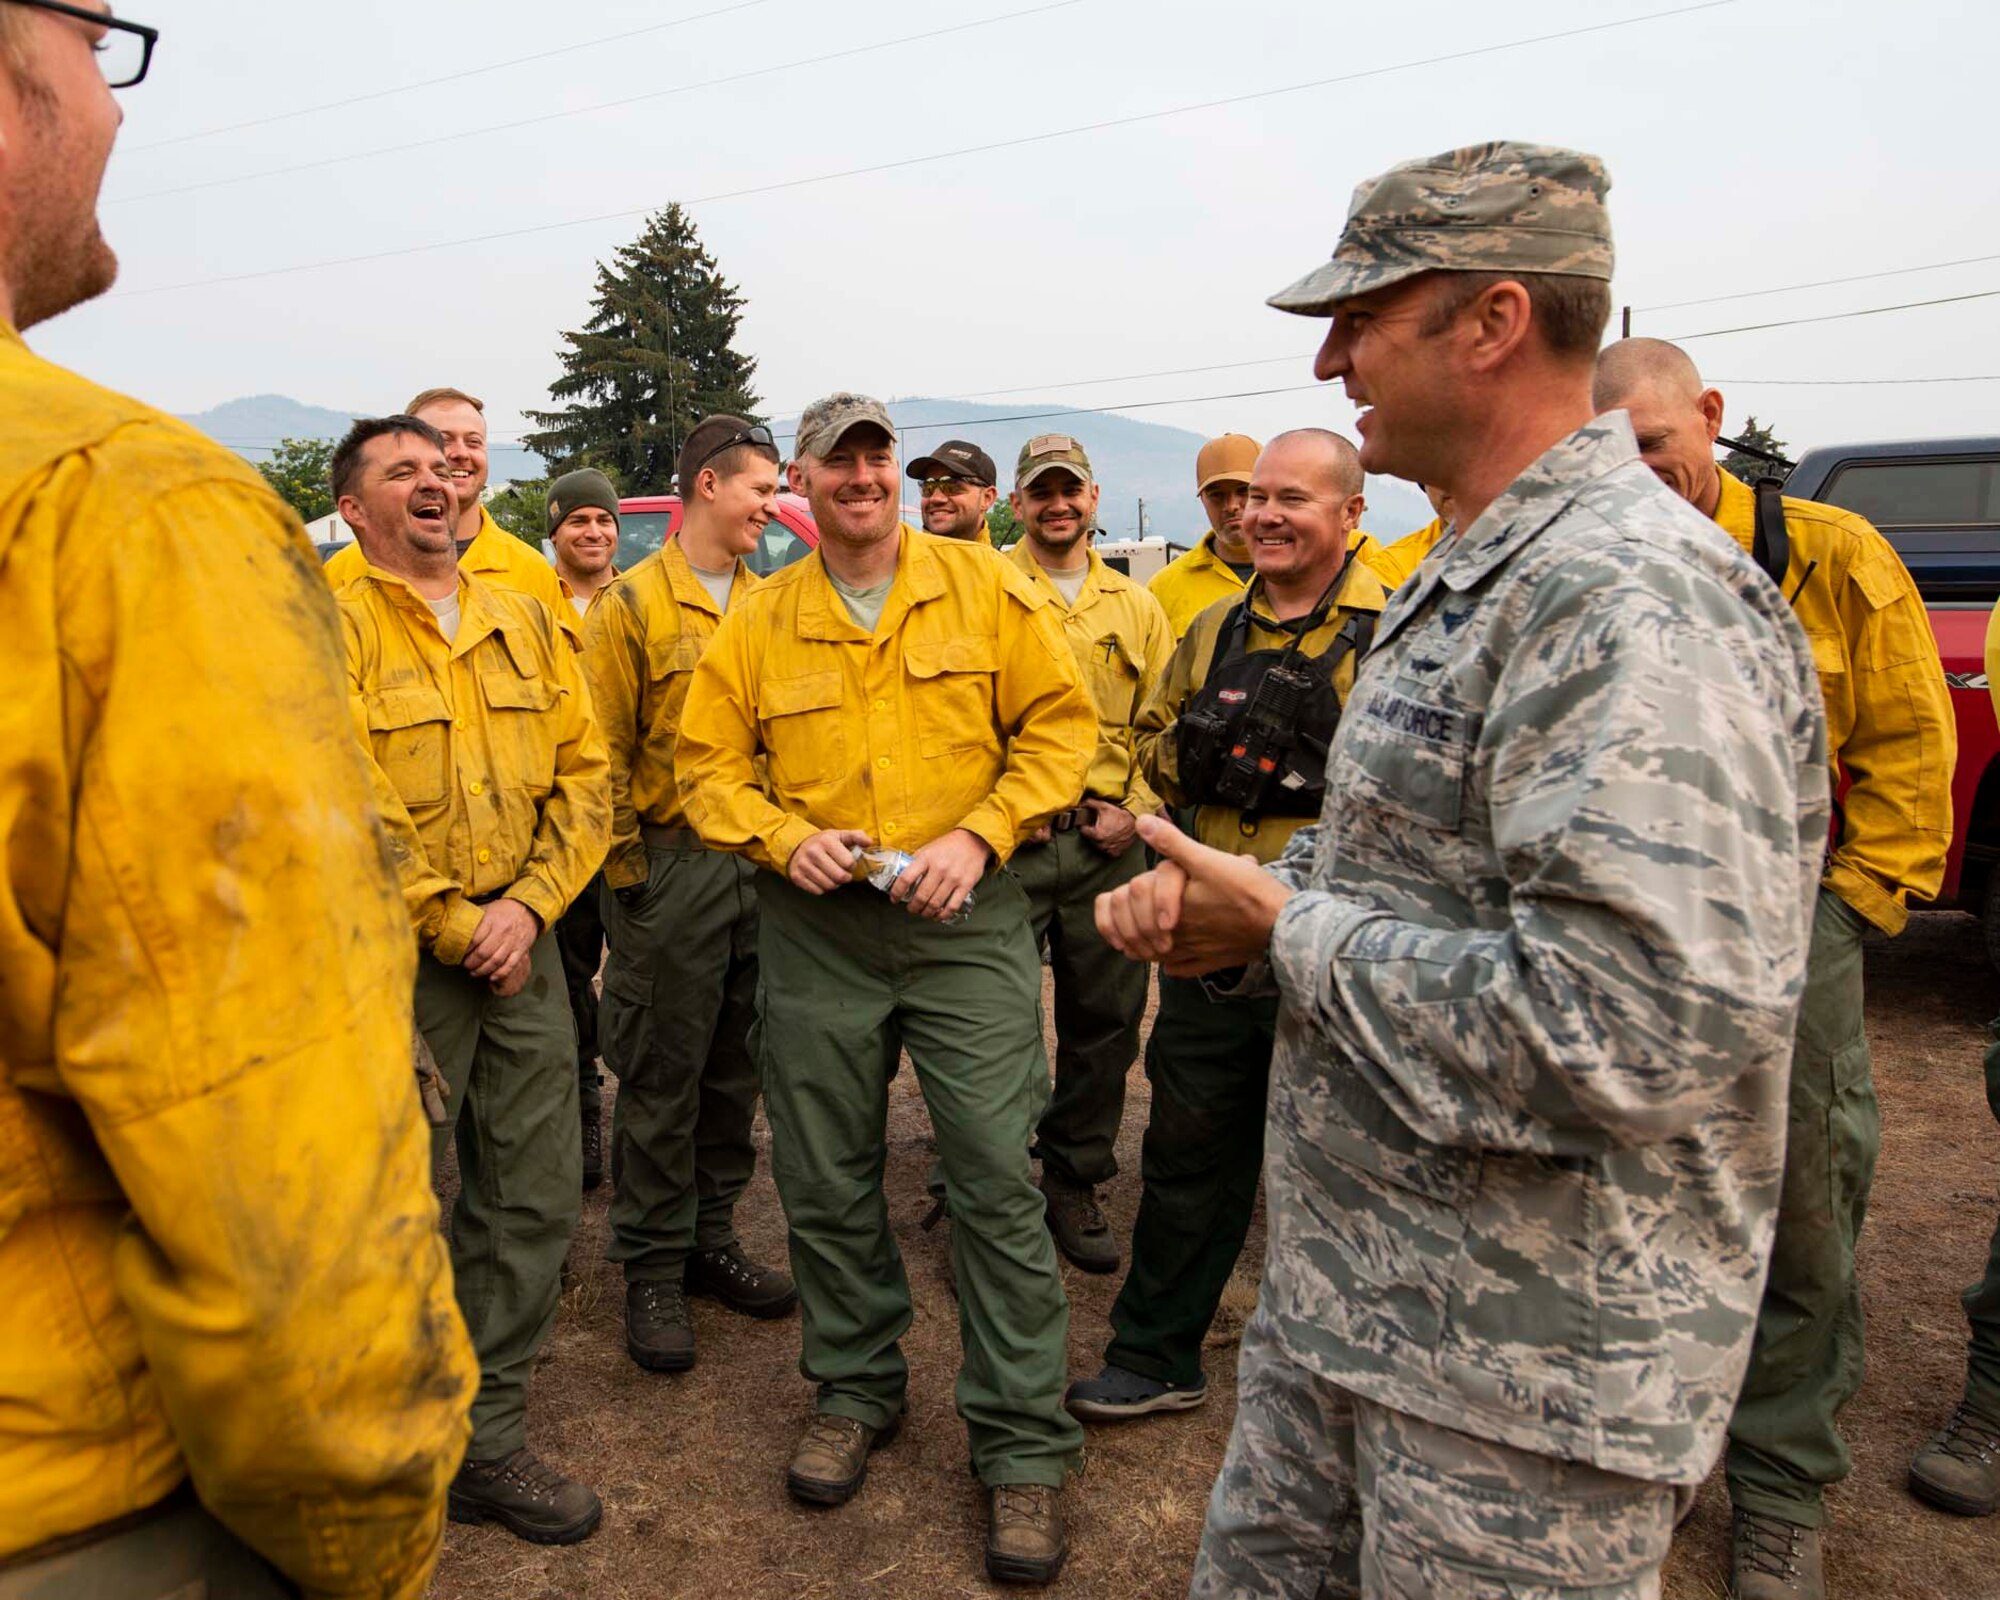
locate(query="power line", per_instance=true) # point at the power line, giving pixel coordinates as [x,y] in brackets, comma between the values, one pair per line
[447,77]
[1835,316]
[1017,142]
[1846,383]
[403,149]
[1819,283]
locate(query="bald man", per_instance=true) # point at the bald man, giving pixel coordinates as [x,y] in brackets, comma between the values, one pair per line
[1890,733]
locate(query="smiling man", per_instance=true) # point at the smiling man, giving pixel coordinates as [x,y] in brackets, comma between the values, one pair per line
[895,689]
[492,784]
[227,1338]
[1537,964]
[484,547]
[680,988]
[959,485]
[1303,624]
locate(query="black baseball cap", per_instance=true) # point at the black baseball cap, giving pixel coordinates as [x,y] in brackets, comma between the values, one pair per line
[957,459]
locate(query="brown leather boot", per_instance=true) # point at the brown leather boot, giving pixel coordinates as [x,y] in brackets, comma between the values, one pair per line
[832,1458]
[1772,1559]
[526,1496]
[1959,1470]
[1025,1537]
[1081,1233]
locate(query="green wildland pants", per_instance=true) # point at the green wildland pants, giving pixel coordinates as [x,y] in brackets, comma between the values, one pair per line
[510,1071]
[1982,1300]
[850,980]
[580,941]
[1209,1062]
[1100,996]
[680,996]
[173,1551]
[1806,1358]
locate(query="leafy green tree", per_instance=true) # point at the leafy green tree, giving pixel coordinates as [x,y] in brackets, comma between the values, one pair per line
[522,508]
[1750,468]
[1002,526]
[656,357]
[301,470]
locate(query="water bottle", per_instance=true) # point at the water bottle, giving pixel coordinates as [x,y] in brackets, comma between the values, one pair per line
[884,866]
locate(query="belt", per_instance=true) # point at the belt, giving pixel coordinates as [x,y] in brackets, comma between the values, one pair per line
[1069,821]
[670,838]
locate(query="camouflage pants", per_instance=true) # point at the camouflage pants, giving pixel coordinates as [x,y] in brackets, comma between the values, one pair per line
[1982,1300]
[1327,1496]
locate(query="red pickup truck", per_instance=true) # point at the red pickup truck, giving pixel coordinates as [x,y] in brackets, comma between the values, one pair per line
[1938,503]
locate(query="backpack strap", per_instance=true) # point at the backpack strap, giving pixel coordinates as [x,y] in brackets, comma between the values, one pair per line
[1771,546]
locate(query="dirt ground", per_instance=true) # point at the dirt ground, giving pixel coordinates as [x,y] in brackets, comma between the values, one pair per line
[691,1467]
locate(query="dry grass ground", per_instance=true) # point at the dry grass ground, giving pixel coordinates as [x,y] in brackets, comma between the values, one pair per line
[691,1467]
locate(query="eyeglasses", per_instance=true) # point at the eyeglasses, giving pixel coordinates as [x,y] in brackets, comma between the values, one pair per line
[125,51]
[759,434]
[948,485]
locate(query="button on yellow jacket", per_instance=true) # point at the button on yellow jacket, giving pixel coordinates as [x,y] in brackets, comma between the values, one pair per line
[219,1254]
[1223,827]
[495,555]
[1191,583]
[644,634]
[962,710]
[1889,723]
[1121,641]
[489,770]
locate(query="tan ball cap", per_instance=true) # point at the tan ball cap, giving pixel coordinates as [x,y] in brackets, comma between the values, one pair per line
[1226,460]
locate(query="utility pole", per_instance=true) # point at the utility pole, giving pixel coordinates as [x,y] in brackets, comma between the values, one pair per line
[1142,516]
[1625,323]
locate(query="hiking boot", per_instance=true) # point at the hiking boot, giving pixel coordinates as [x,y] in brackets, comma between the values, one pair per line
[1025,1541]
[1772,1559]
[1079,1227]
[730,1276]
[832,1458]
[1116,1395]
[526,1496]
[657,1331]
[593,1146]
[1957,1470]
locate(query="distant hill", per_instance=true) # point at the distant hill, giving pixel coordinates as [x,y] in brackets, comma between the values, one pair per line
[1133,459]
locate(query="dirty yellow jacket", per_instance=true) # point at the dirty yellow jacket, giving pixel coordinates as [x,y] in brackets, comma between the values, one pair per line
[1121,641]
[489,769]
[1394,563]
[644,634]
[1889,726]
[1224,827]
[963,710]
[495,555]
[1191,583]
[219,1255]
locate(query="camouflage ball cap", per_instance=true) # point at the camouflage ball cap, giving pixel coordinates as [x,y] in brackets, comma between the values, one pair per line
[823,422]
[1047,451]
[1502,207]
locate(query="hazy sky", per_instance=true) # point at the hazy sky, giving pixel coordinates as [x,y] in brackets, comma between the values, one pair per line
[1752,144]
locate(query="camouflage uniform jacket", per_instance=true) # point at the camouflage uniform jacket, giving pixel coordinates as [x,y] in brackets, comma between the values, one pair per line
[1527,1109]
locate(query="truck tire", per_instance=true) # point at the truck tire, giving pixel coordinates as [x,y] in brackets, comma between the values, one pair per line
[1989,917]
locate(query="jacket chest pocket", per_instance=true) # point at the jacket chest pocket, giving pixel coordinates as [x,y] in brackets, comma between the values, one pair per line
[1112,667]
[408,731]
[952,691]
[802,728]
[1406,749]
[678,652]
[521,725]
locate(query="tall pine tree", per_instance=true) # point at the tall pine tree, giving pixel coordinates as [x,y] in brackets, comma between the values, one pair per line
[654,359]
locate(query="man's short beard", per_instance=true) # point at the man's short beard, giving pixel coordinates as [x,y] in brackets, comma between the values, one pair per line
[48,275]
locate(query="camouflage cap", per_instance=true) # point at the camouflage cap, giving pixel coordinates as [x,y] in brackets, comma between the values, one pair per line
[823,422]
[1047,451]
[1502,207]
